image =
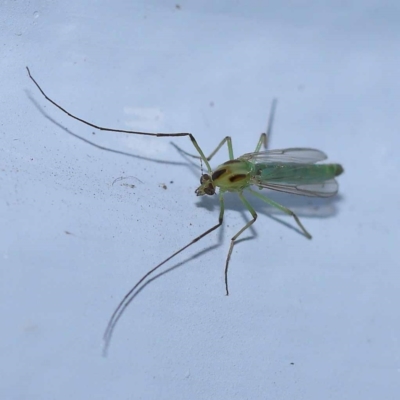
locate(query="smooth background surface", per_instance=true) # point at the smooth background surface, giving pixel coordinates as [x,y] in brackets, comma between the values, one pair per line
[306,319]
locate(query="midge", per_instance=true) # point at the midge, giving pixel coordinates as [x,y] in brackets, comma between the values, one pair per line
[293,170]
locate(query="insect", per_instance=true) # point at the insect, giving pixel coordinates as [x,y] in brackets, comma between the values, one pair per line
[292,170]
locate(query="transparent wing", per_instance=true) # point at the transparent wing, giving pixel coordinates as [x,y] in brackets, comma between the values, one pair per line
[286,156]
[321,189]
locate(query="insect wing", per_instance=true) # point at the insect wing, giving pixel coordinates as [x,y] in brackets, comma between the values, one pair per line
[322,189]
[286,156]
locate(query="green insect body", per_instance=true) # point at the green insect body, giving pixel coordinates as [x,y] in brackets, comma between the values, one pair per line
[293,174]
[236,175]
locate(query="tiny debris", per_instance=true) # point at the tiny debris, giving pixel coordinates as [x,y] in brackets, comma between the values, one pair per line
[121,178]
[128,185]
[178,6]
[163,185]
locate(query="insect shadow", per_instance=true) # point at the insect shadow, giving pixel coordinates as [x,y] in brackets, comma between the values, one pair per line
[147,282]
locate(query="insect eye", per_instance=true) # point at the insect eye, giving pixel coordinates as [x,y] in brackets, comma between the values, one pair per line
[204,178]
[210,190]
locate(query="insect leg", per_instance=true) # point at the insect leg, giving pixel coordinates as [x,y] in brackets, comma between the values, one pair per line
[116,315]
[264,138]
[262,141]
[254,215]
[226,140]
[191,137]
[282,208]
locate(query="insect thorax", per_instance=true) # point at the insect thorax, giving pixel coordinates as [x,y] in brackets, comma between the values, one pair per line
[233,175]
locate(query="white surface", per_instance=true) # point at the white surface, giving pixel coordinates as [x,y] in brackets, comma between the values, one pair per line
[329,306]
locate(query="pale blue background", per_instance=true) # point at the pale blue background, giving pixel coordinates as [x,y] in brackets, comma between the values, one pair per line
[330,306]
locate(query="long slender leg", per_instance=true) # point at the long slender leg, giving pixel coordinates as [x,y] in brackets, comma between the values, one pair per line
[191,137]
[262,141]
[254,215]
[282,208]
[264,138]
[116,315]
[226,139]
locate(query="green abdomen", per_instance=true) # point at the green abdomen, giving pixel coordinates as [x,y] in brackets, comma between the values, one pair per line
[297,173]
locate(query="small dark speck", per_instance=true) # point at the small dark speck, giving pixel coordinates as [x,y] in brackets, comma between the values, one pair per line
[178,6]
[163,185]
[171,181]
[93,133]
[211,104]
[291,363]
[68,233]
